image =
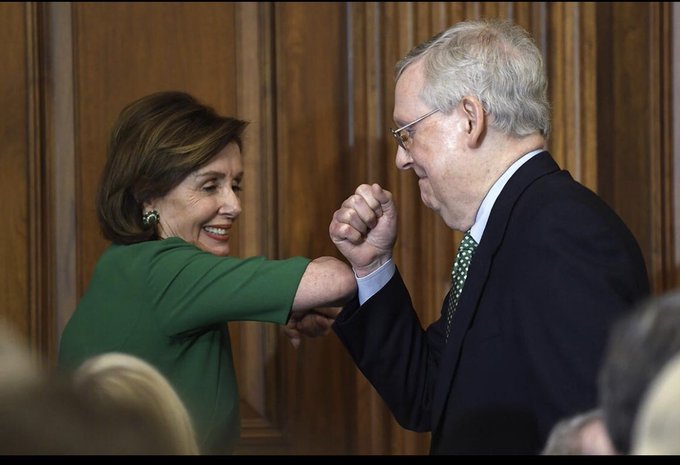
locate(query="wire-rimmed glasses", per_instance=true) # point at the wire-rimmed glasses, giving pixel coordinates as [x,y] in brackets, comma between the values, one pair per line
[402,136]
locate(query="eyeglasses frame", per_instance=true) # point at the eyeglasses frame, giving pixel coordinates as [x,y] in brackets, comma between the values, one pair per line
[395,132]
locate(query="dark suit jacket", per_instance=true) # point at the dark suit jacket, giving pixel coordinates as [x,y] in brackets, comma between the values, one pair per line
[553,270]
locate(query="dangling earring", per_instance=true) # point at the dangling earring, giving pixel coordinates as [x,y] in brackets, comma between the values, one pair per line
[151,218]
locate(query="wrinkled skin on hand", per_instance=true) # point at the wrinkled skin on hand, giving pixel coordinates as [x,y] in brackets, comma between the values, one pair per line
[364,228]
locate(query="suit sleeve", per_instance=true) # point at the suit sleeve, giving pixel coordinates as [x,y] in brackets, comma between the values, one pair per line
[387,342]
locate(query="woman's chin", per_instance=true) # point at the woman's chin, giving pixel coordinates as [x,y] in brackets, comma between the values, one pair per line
[220,250]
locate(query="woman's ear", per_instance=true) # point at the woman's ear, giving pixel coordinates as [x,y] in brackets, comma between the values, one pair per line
[475,120]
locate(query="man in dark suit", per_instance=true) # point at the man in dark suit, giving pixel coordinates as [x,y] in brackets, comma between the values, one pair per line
[551,266]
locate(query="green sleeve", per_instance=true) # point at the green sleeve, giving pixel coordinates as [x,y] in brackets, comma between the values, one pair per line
[193,288]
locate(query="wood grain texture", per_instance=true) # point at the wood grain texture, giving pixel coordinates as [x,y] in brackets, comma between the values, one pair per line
[311,149]
[627,125]
[17,171]
[40,214]
[664,271]
[316,81]
[60,160]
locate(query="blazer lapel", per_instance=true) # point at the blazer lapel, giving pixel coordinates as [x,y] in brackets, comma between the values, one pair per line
[533,169]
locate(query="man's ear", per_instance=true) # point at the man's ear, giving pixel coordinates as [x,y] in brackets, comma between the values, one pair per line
[475,121]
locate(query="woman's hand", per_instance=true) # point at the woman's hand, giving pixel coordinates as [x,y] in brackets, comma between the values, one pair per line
[311,323]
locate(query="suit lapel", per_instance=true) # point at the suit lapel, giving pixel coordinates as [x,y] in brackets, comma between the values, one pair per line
[533,169]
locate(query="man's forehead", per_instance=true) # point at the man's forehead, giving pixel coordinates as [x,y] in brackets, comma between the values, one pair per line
[407,91]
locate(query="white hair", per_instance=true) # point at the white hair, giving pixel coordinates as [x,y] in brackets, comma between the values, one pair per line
[495,61]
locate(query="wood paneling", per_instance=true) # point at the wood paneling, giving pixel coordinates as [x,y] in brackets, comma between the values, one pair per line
[14,165]
[23,254]
[316,82]
[663,266]
[311,149]
[633,108]
[60,158]
[674,122]
[569,60]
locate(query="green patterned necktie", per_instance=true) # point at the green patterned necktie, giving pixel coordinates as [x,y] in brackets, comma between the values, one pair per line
[458,274]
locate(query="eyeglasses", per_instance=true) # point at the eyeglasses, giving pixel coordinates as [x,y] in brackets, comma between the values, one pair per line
[402,136]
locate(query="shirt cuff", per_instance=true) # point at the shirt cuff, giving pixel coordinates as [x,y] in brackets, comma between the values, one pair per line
[370,284]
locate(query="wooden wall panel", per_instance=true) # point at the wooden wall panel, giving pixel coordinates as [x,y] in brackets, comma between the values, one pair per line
[25,256]
[569,57]
[316,82]
[674,123]
[59,157]
[311,149]
[664,269]
[633,97]
[16,159]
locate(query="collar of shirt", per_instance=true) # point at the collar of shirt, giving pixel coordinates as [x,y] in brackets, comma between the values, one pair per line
[484,211]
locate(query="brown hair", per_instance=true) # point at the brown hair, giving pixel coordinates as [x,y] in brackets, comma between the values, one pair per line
[156,142]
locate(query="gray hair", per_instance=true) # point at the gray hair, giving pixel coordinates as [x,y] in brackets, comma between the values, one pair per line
[495,61]
[639,346]
[567,435]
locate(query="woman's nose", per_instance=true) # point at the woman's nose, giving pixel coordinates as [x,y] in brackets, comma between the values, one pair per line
[231,203]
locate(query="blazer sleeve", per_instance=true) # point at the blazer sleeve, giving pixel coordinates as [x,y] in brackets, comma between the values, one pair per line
[388,344]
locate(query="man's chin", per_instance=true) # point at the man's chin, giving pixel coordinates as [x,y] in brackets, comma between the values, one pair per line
[427,200]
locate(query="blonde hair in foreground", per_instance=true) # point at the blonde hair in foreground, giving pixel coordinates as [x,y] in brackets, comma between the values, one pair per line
[132,383]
